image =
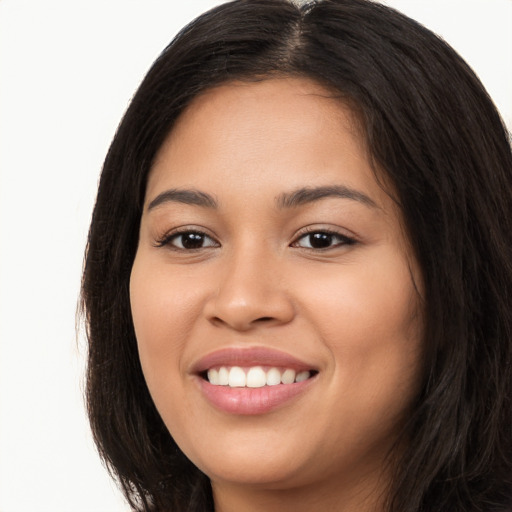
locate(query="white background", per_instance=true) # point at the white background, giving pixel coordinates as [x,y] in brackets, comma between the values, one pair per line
[67,71]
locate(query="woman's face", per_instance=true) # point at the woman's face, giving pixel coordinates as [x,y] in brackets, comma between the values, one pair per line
[270,257]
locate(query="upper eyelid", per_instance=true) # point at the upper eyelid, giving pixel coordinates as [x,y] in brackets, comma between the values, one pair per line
[187,229]
[308,230]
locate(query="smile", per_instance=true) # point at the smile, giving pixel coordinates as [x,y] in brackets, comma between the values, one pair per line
[255,376]
[252,381]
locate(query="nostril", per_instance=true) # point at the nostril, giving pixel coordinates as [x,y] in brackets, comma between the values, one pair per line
[264,319]
[217,321]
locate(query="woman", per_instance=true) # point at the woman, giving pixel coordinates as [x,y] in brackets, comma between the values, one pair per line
[298,275]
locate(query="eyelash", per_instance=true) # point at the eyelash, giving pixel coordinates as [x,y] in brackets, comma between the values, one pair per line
[167,240]
[343,239]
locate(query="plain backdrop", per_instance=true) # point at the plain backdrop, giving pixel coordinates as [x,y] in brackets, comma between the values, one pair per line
[67,71]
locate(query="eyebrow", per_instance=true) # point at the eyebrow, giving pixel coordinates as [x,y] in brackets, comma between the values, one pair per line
[292,199]
[187,196]
[306,195]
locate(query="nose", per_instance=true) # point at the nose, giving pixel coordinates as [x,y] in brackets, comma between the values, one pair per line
[251,292]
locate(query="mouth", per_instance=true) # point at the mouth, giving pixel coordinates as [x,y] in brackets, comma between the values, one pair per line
[255,376]
[252,381]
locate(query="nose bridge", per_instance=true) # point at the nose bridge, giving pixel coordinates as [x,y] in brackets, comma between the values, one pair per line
[250,289]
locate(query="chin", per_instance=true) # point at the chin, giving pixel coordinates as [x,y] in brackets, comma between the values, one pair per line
[254,459]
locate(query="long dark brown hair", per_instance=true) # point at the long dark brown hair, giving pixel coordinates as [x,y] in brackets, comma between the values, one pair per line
[432,129]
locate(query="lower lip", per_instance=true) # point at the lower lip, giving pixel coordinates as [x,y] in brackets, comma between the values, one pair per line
[252,401]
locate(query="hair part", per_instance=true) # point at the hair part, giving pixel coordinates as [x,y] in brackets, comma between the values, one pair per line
[432,130]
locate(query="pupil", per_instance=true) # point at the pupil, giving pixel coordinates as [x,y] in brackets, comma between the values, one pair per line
[320,240]
[192,240]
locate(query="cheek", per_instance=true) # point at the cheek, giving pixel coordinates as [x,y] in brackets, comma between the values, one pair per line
[368,317]
[164,308]
[371,301]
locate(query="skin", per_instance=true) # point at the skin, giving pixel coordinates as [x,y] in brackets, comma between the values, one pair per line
[350,309]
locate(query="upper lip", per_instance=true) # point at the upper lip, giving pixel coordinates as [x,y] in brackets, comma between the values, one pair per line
[247,357]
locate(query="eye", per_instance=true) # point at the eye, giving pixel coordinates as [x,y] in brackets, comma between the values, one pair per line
[322,240]
[187,240]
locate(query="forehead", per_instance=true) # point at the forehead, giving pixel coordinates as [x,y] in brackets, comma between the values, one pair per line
[273,132]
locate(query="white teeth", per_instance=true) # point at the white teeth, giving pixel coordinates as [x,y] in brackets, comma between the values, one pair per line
[254,377]
[213,376]
[301,376]
[237,377]
[273,377]
[288,377]
[223,376]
